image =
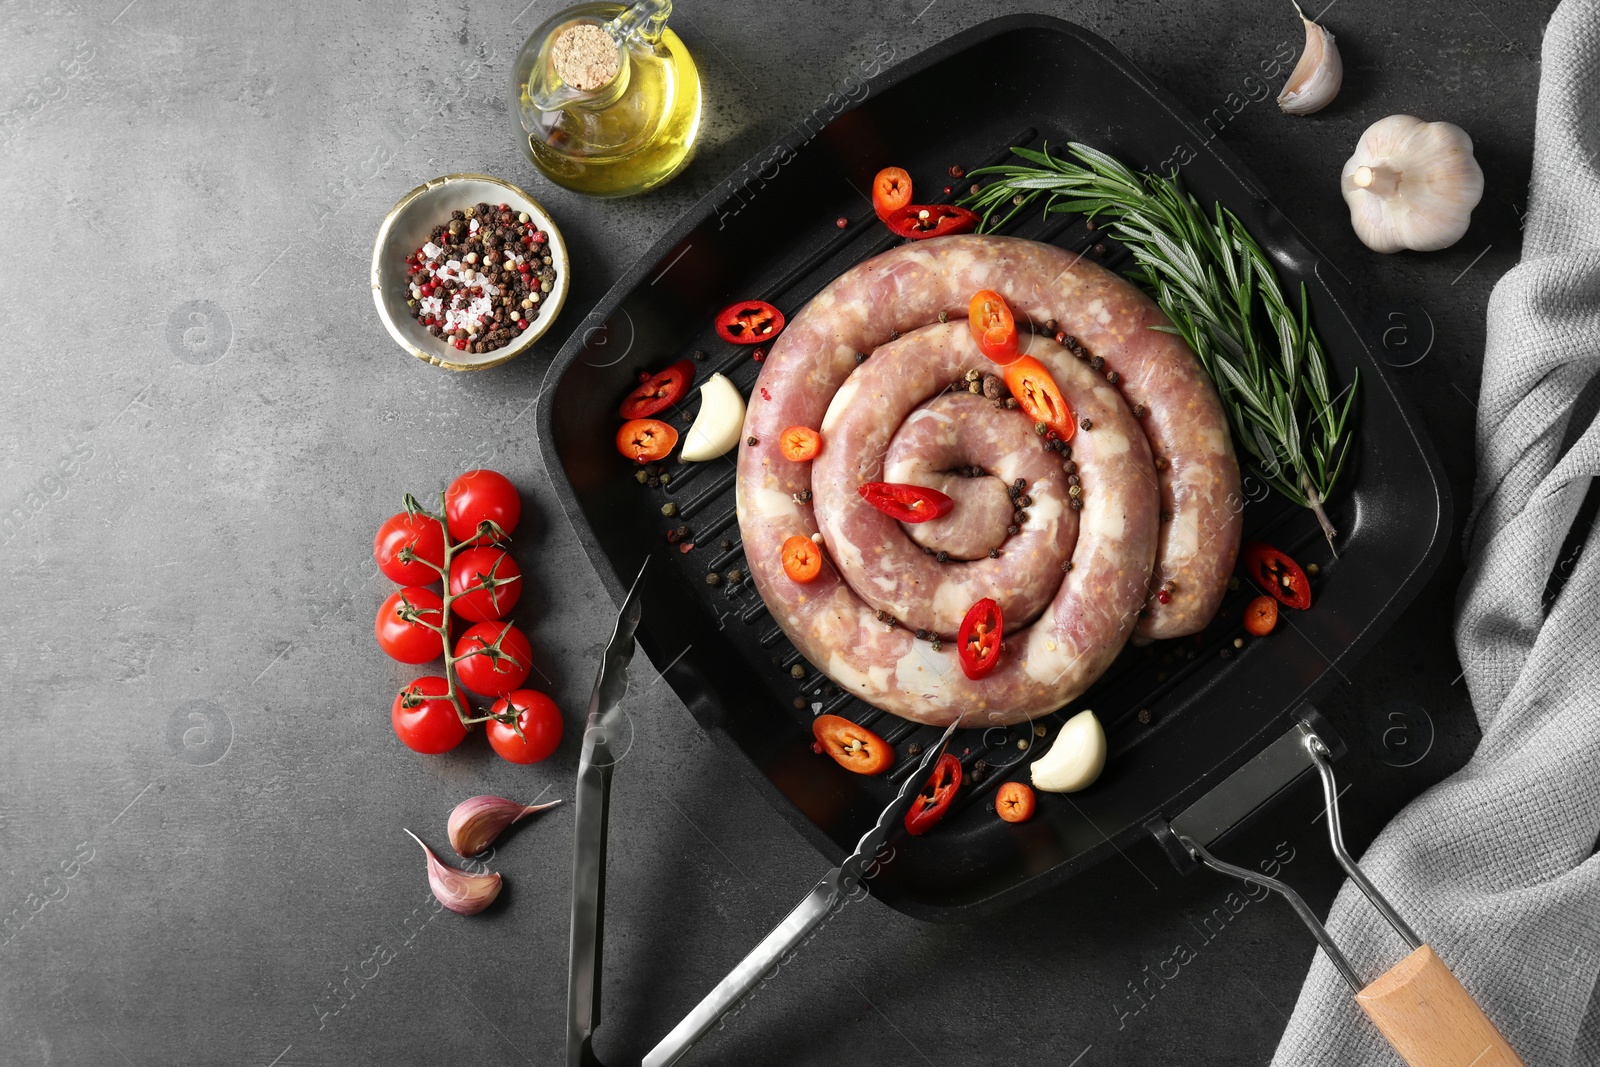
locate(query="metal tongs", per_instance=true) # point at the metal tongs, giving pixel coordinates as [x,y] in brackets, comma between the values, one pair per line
[588,871]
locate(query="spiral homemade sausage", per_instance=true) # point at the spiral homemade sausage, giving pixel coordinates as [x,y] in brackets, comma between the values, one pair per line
[1072,584]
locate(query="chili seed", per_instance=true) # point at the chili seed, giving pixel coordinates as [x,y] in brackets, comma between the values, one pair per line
[1238,642]
[669,509]
[797,671]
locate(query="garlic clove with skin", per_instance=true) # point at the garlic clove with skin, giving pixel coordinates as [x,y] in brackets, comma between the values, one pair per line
[477,821]
[461,892]
[1411,184]
[1316,78]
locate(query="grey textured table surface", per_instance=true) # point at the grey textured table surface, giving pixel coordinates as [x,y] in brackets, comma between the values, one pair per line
[201,801]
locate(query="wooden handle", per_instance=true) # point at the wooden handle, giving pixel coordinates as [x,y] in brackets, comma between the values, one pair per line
[1430,1019]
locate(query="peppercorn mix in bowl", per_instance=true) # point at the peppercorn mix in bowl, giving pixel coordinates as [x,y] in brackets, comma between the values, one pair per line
[468,271]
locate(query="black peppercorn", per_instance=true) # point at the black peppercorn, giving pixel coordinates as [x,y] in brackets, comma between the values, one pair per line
[1087,424]
[943,557]
[1012,530]
[861,357]
[1144,716]
[994,553]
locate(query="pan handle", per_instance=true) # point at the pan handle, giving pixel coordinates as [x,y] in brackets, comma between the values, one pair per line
[1430,1019]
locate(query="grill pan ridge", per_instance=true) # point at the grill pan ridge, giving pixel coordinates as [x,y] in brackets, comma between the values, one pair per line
[774,238]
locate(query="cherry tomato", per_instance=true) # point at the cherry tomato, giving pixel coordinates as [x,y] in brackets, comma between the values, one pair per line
[1261,616]
[891,191]
[646,440]
[423,535]
[800,443]
[1014,802]
[855,748]
[749,322]
[495,671]
[935,797]
[407,640]
[993,327]
[478,497]
[424,720]
[1278,576]
[658,391]
[541,724]
[496,572]
[978,639]
[908,503]
[921,221]
[1039,396]
[802,559]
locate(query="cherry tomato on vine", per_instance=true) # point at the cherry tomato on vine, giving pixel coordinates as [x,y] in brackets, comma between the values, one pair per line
[408,640]
[496,572]
[541,724]
[493,658]
[477,497]
[424,720]
[426,540]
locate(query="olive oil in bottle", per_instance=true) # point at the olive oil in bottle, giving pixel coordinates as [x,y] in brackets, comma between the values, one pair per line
[607,98]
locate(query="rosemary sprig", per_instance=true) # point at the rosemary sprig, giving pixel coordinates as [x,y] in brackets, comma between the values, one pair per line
[1216,285]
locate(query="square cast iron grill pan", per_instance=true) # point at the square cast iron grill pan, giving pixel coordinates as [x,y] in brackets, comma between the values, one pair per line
[769,232]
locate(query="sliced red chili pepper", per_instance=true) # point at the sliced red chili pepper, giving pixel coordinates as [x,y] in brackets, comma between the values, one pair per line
[919,221]
[908,503]
[1278,576]
[993,327]
[934,799]
[1039,396]
[978,640]
[749,322]
[658,391]
[1014,802]
[646,440]
[891,191]
[1261,616]
[855,748]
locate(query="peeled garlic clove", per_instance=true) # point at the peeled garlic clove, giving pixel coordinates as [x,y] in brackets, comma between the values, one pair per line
[477,821]
[717,427]
[1316,78]
[463,893]
[1411,184]
[1076,758]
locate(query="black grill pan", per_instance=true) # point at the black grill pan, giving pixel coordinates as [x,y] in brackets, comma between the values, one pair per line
[1180,715]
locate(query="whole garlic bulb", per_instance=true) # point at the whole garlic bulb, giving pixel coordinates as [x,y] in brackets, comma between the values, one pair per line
[1411,184]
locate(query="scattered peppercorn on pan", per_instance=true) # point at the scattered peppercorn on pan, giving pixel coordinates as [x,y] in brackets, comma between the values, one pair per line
[1180,715]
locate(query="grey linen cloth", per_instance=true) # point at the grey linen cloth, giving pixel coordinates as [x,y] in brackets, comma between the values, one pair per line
[1495,866]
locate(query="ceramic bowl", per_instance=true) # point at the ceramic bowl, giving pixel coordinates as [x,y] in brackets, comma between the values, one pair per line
[407,227]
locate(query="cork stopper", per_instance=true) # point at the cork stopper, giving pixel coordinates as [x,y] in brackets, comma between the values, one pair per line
[584,56]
